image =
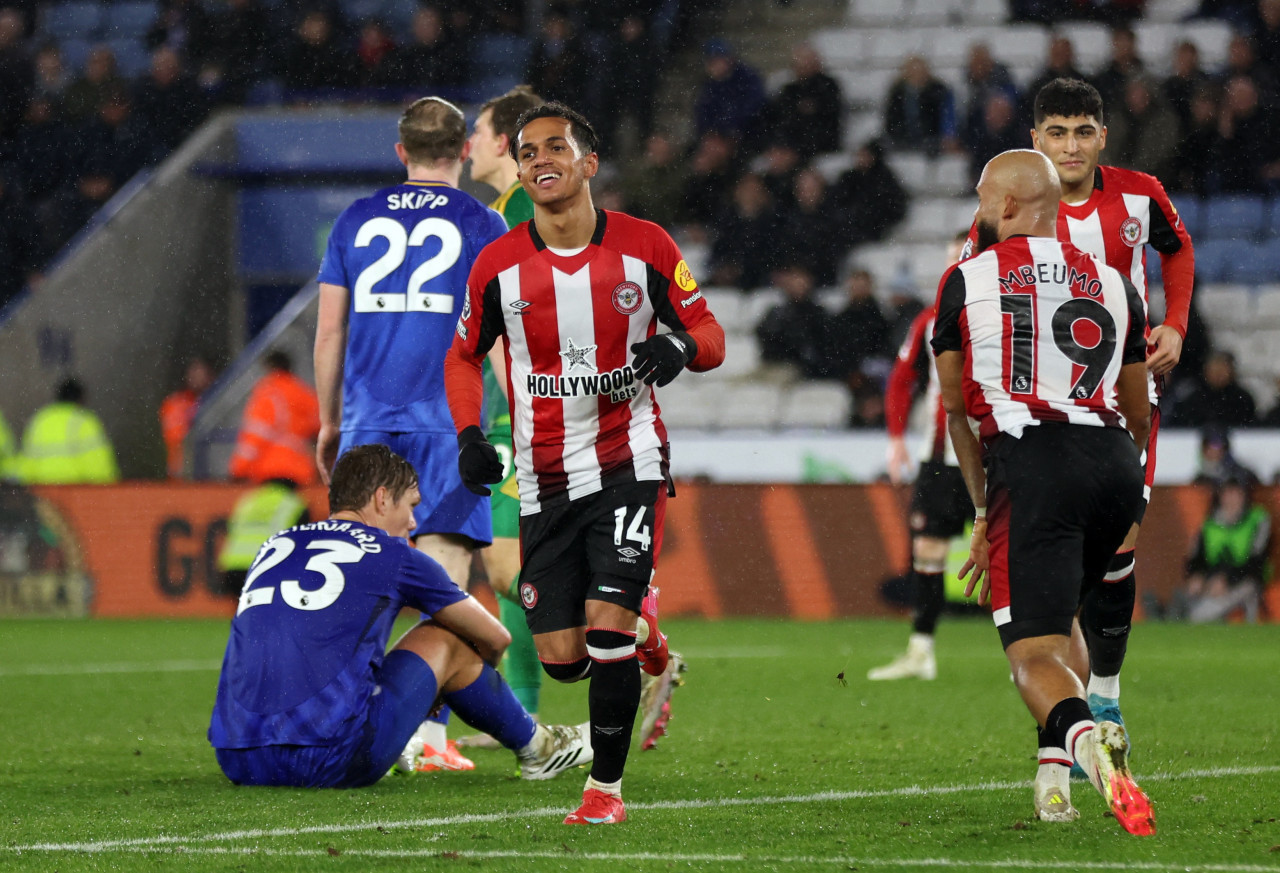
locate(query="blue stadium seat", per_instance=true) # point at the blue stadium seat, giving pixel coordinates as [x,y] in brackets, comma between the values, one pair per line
[1273,219]
[132,57]
[1189,208]
[127,20]
[75,52]
[1266,263]
[1154,273]
[358,11]
[1238,218]
[1243,261]
[500,55]
[1211,259]
[72,21]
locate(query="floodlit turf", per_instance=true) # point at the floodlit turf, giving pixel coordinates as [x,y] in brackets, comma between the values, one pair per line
[772,763]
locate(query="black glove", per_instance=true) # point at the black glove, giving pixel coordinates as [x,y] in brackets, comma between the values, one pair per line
[478,461]
[661,357]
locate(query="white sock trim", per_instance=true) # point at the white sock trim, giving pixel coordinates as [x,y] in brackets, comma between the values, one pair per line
[614,788]
[1104,686]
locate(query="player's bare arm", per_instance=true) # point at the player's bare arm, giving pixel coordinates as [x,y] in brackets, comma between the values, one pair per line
[1132,398]
[473,623]
[1165,349]
[969,454]
[330,353]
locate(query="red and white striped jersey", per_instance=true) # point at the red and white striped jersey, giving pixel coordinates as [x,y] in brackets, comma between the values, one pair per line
[1127,211]
[1045,329]
[914,365]
[580,419]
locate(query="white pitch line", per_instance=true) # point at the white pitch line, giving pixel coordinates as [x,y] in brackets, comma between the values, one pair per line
[511,815]
[122,667]
[709,858]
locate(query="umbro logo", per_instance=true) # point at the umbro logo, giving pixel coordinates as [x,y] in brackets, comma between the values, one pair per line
[628,552]
[519,306]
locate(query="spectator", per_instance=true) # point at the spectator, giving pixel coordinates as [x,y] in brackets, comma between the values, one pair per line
[654,184]
[51,76]
[20,250]
[374,50]
[794,333]
[868,199]
[999,132]
[1219,399]
[1242,60]
[1061,64]
[859,332]
[1267,37]
[746,237]
[44,149]
[1217,463]
[986,77]
[810,234]
[808,111]
[233,55]
[1229,564]
[85,95]
[431,58]
[1272,418]
[631,81]
[919,111]
[1247,149]
[66,444]
[15,71]
[731,98]
[116,140]
[182,26]
[1195,157]
[904,305]
[1144,134]
[281,420]
[1124,64]
[71,207]
[557,66]
[867,412]
[711,177]
[167,101]
[778,166]
[313,60]
[178,411]
[1187,78]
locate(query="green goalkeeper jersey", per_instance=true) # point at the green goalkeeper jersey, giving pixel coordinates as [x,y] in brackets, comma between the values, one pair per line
[516,207]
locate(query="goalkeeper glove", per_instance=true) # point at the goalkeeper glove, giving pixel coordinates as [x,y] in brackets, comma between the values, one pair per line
[661,357]
[478,461]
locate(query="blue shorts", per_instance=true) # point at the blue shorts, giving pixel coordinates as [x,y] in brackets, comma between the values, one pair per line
[447,507]
[405,692]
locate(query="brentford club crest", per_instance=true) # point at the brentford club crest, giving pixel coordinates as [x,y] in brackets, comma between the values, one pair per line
[626,298]
[528,595]
[1131,231]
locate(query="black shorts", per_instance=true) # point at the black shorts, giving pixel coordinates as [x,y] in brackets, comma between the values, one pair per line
[600,547]
[940,504]
[1060,501]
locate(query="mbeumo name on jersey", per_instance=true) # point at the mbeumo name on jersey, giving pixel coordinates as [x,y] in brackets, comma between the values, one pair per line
[1055,274]
[619,384]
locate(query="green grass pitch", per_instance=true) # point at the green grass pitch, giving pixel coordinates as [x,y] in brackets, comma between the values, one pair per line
[771,763]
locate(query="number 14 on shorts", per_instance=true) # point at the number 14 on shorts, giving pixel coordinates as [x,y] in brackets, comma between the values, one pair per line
[636,532]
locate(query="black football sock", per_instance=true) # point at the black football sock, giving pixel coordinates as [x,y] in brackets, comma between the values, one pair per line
[1108,616]
[612,700]
[929,601]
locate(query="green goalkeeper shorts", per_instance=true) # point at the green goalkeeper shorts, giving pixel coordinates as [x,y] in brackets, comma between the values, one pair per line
[505,502]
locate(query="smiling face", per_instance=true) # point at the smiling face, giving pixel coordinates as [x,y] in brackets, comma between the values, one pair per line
[552,167]
[1073,144]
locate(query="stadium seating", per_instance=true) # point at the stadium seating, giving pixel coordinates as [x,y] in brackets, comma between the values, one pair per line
[71,21]
[1234,218]
[129,20]
[132,57]
[817,405]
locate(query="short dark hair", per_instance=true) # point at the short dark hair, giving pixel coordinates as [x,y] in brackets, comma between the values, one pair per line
[583,134]
[1068,97]
[507,109]
[278,359]
[362,470]
[432,129]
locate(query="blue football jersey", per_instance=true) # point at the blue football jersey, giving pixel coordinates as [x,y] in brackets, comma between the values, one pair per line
[311,627]
[404,255]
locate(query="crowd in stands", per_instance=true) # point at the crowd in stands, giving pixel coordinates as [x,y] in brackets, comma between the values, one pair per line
[749,185]
[84,106]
